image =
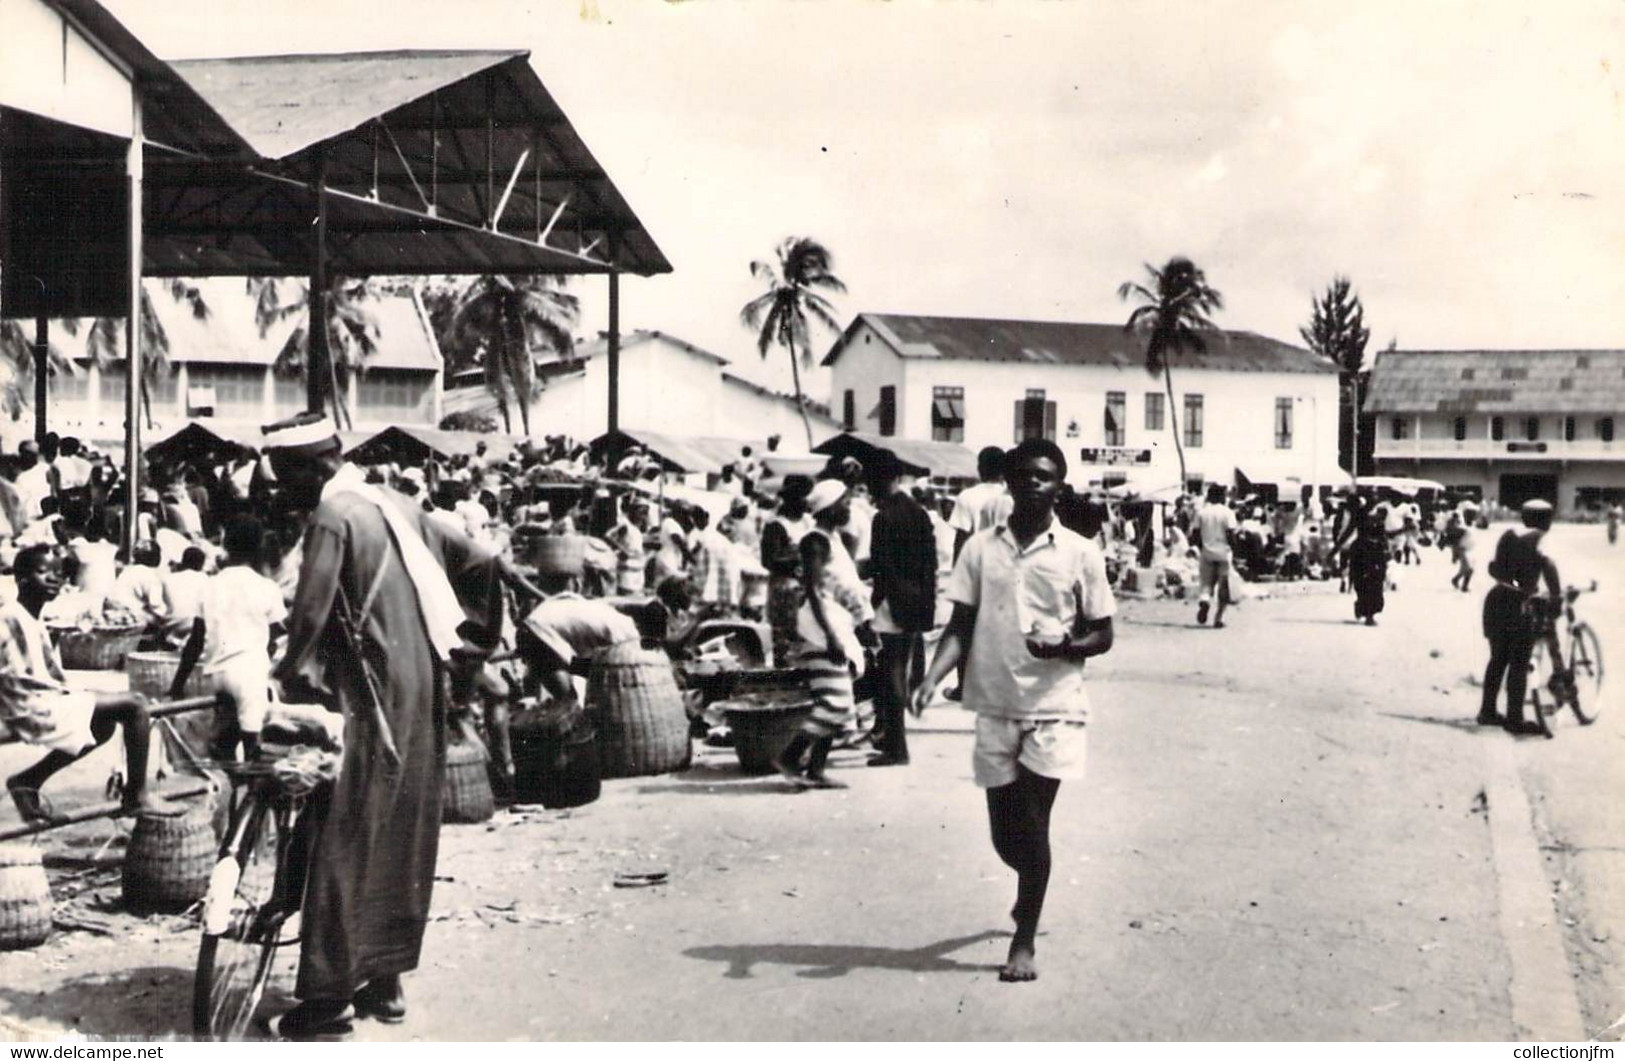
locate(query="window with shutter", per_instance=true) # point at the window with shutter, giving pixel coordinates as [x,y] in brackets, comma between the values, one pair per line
[1116,415]
[849,410]
[1193,421]
[888,411]
[1283,423]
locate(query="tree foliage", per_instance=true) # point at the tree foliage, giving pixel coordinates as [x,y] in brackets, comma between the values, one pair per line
[506,325]
[1174,316]
[780,314]
[352,331]
[1337,327]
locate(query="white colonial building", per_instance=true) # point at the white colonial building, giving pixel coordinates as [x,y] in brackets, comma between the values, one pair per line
[1505,425]
[221,370]
[667,386]
[1249,404]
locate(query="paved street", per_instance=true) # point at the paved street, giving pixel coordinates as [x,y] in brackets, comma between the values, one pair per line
[1291,830]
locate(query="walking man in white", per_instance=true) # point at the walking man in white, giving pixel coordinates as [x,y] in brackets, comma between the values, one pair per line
[1217,526]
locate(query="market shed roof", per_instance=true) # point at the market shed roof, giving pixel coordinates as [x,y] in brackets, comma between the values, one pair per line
[1497,381]
[1068,343]
[434,163]
[682,453]
[420,443]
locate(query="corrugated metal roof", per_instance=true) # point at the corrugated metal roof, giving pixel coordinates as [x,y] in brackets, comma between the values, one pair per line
[1069,343]
[282,104]
[1512,381]
[230,336]
[685,453]
[411,442]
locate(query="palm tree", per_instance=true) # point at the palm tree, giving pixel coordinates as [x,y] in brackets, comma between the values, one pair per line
[1173,317]
[779,315]
[104,344]
[17,365]
[503,323]
[352,332]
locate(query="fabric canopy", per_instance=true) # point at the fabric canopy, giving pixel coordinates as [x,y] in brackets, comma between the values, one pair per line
[417,444]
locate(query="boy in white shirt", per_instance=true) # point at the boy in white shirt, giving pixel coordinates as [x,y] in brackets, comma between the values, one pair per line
[240,612]
[1031,604]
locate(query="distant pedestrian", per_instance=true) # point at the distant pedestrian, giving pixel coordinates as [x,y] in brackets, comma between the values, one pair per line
[987,504]
[1217,528]
[1031,604]
[1512,617]
[1614,514]
[904,564]
[1368,568]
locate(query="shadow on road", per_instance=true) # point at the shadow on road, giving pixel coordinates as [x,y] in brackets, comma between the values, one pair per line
[1466,725]
[827,961]
[155,999]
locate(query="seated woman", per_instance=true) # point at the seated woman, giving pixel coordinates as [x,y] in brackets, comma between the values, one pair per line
[37,705]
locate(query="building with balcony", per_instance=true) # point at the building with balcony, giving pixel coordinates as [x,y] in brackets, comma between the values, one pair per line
[1249,405]
[1506,425]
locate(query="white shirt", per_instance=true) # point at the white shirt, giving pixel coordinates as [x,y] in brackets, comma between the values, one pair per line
[72,472]
[571,625]
[1043,589]
[1216,522]
[238,609]
[979,507]
[185,591]
[32,486]
[140,589]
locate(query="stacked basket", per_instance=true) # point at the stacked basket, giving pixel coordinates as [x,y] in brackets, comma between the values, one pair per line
[466,794]
[168,862]
[25,898]
[99,648]
[634,703]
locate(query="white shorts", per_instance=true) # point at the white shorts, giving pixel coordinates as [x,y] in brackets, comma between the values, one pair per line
[1049,747]
[247,682]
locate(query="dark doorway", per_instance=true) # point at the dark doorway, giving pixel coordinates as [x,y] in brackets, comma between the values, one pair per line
[1516,489]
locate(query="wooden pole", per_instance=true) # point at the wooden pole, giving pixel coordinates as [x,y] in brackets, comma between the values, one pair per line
[614,339]
[132,332]
[317,356]
[42,367]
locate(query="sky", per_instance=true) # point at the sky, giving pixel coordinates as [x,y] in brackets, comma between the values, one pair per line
[1462,162]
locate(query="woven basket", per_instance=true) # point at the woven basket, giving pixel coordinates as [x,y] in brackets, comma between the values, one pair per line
[168,862]
[25,898]
[100,649]
[555,759]
[152,673]
[634,703]
[761,731]
[466,793]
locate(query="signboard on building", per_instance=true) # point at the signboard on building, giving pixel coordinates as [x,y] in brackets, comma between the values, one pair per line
[1114,455]
[1526,447]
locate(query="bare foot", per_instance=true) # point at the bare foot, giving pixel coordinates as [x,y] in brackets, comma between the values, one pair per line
[1021,966]
[152,806]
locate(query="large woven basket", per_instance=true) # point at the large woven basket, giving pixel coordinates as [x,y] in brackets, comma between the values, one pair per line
[555,758]
[25,898]
[168,862]
[103,648]
[634,703]
[466,794]
[152,673]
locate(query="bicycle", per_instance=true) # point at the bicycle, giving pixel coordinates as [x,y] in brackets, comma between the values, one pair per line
[251,909]
[1566,665]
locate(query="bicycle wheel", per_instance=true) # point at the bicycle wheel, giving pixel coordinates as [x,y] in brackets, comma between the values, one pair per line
[1542,701]
[1585,666]
[240,925]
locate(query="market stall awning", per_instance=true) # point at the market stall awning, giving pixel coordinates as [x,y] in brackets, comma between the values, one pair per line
[204,441]
[679,453]
[417,444]
[940,460]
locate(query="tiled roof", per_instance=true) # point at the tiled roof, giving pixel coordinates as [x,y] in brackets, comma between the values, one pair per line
[229,335]
[1068,343]
[1512,381]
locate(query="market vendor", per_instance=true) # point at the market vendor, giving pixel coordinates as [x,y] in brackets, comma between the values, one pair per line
[37,705]
[561,635]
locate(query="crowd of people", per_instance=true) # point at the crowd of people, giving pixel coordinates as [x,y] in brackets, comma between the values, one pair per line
[384,591]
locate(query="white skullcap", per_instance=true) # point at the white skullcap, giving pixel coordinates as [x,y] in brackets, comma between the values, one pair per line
[825,494]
